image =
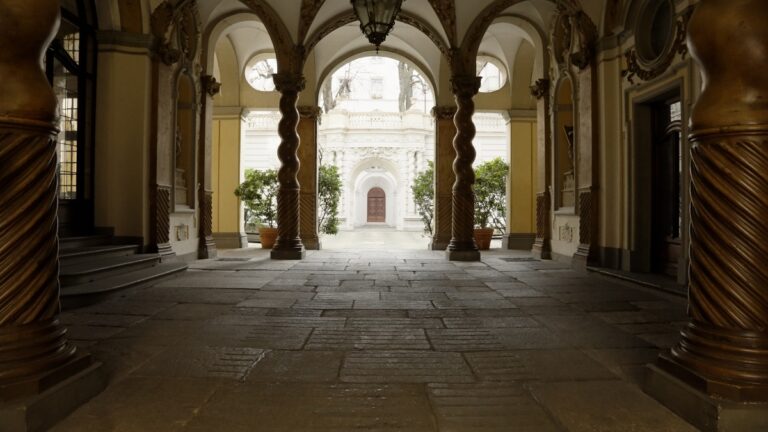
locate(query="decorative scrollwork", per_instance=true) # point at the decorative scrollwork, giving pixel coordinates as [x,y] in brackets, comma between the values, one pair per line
[646,72]
[541,88]
[210,85]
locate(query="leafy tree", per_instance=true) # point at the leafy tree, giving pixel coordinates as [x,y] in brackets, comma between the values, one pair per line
[424,197]
[329,194]
[491,194]
[259,194]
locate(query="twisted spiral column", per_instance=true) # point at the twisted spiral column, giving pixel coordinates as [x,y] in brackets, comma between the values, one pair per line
[32,341]
[724,347]
[462,246]
[288,244]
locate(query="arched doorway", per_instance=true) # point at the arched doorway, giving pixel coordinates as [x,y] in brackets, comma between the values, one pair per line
[377,205]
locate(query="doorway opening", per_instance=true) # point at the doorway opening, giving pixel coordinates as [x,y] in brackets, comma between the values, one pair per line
[376,137]
[377,205]
[666,245]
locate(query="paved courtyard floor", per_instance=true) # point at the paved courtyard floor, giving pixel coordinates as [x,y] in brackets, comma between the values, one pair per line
[377,340]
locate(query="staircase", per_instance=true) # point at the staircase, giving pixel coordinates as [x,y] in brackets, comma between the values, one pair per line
[95,267]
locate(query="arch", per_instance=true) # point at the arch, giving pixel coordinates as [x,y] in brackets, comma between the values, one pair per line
[536,36]
[219,26]
[341,20]
[366,52]
[278,33]
[474,35]
[363,183]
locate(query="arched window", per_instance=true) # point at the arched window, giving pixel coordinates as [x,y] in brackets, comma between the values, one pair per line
[70,65]
[492,72]
[259,70]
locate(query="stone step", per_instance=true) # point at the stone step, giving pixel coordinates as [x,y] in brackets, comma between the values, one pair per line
[90,270]
[72,255]
[88,293]
[68,243]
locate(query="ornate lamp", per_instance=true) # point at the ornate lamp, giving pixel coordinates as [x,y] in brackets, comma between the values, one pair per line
[376,18]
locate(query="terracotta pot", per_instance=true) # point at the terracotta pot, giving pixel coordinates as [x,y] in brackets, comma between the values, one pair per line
[268,237]
[483,238]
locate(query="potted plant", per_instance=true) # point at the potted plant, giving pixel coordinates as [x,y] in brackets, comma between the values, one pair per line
[259,194]
[490,201]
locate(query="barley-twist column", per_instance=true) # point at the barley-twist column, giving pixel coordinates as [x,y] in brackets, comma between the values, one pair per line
[724,348]
[462,246]
[32,341]
[288,244]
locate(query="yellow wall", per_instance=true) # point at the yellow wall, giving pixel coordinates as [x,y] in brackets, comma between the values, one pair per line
[226,175]
[122,143]
[521,215]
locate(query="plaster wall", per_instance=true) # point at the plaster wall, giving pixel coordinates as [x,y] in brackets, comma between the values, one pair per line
[122,136]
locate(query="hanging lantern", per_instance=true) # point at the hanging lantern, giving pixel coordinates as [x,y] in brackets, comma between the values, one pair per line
[376,18]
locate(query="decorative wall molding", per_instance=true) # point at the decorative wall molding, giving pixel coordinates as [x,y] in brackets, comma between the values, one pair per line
[636,67]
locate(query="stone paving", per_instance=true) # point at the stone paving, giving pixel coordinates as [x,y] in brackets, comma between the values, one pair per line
[375,340]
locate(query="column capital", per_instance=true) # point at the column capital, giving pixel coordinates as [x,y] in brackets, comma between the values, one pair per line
[443,112]
[465,85]
[289,82]
[310,112]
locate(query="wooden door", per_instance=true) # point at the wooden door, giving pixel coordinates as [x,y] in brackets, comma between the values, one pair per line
[377,205]
[667,201]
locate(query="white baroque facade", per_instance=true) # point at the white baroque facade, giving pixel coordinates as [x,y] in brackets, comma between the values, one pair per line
[372,143]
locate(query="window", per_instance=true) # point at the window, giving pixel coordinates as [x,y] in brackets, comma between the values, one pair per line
[377,87]
[258,73]
[68,77]
[492,73]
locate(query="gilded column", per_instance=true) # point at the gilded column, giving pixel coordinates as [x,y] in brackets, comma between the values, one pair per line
[723,351]
[34,351]
[308,175]
[445,131]
[462,246]
[288,244]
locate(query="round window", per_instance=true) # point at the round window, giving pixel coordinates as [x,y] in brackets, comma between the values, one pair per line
[492,73]
[258,72]
[655,30]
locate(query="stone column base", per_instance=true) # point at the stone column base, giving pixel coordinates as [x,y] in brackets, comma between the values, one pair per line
[462,255]
[288,254]
[542,249]
[54,403]
[233,240]
[311,243]
[439,244]
[518,241]
[701,410]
